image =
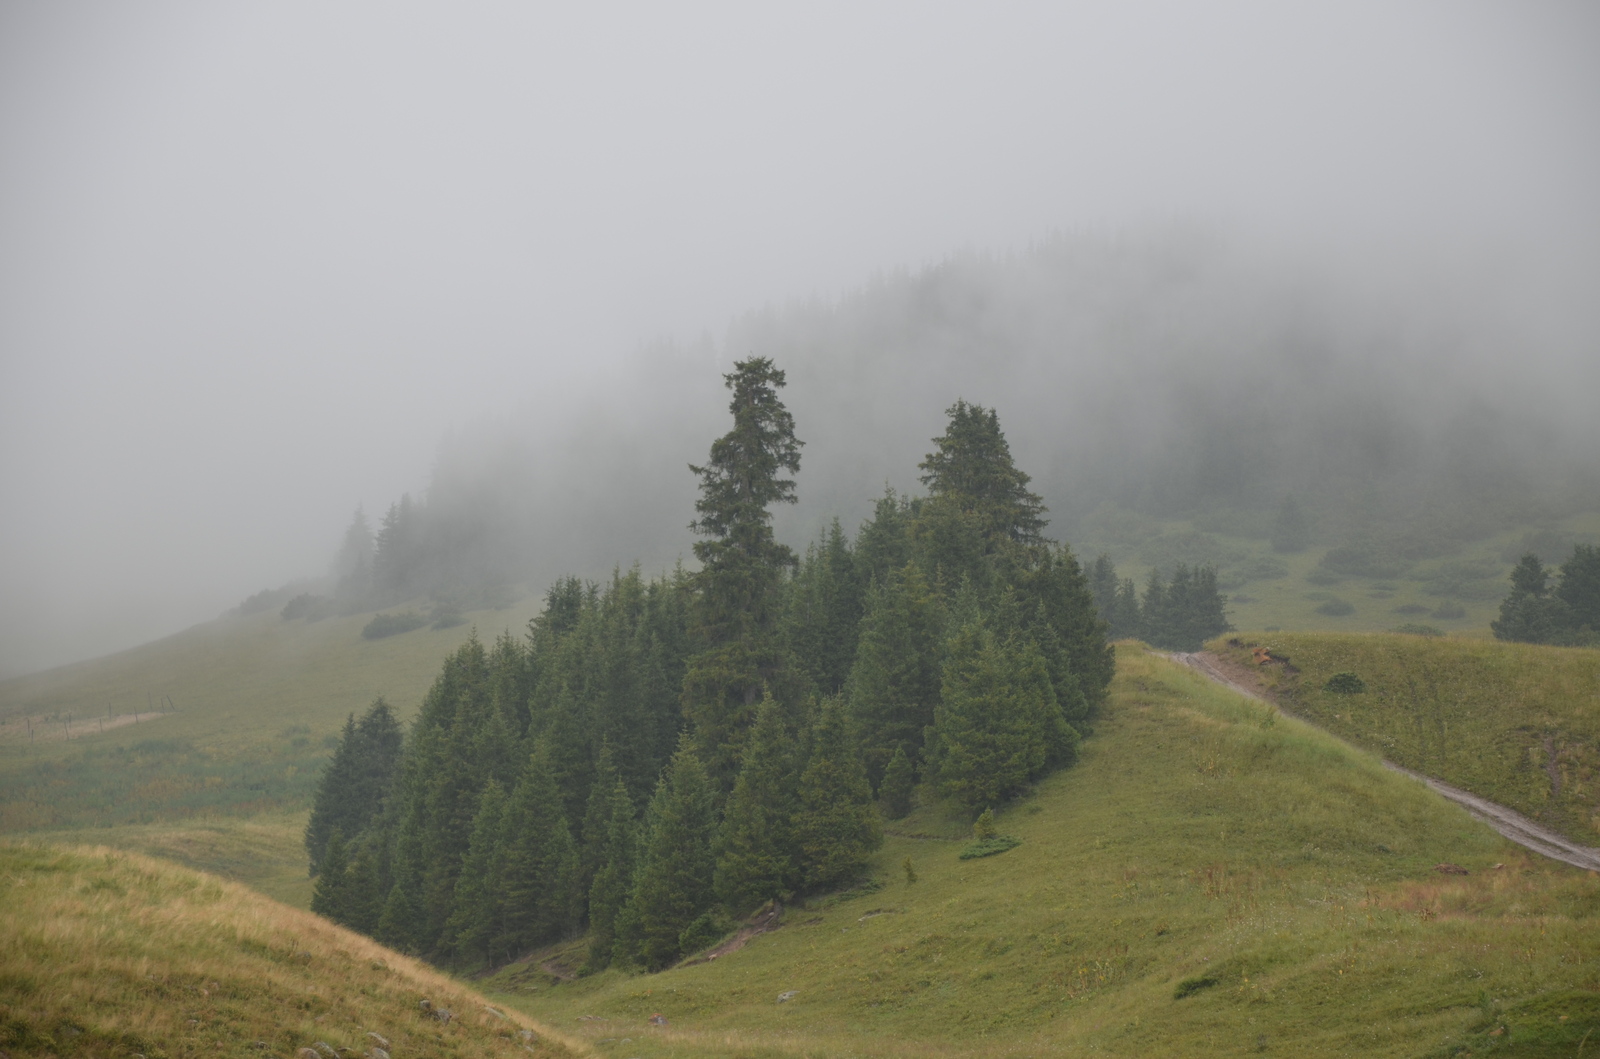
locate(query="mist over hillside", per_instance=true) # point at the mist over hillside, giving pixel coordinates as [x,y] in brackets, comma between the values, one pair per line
[1169,375]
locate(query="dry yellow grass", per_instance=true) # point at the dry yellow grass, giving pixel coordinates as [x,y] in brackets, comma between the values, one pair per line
[110,953]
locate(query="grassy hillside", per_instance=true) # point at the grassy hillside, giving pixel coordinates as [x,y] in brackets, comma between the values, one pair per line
[256,705]
[1211,879]
[113,954]
[1516,723]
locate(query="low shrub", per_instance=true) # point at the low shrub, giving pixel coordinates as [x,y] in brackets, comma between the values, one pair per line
[988,847]
[1336,608]
[1450,611]
[1412,608]
[392,624]
[1345,683]
[307,606]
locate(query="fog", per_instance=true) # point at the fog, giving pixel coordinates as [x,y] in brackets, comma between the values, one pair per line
[258,266]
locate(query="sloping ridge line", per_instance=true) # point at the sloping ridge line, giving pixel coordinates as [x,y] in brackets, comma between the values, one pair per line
[1510,823]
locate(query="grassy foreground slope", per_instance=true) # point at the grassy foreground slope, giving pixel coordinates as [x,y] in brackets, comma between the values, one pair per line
[259,702]
[1211,879]
[108,953]
[1518,724]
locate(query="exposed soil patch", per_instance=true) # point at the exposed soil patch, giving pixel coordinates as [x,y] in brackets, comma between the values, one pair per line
[1508,822]
[760,923]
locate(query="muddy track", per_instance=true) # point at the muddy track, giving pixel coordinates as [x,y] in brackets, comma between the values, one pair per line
[1508,822]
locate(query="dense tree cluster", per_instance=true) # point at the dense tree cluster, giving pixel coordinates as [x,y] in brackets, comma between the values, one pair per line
[1179,613]
[654,757]
[1568,613]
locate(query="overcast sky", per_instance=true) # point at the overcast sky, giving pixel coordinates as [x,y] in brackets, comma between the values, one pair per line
[256,259]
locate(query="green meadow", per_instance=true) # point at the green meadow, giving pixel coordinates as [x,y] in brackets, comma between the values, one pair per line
[252,707]
[1518,724]
[1211,879]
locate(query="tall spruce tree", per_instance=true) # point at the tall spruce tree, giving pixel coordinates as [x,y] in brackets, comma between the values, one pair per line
[1580,590]
[1530,613]
[836,826]
[476,921]
[539,898]
[739,584]
[756,853]
[352,789]
[608,893]
[674,884]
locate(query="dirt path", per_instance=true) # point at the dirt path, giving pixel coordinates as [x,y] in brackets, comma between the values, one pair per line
[1508,822]
[44,729]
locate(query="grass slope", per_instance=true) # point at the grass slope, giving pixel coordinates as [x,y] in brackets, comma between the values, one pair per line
[259,703]
[1518,724]
[114,954]
[1211,879]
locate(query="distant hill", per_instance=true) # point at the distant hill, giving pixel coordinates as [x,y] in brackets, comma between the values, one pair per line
[114,954]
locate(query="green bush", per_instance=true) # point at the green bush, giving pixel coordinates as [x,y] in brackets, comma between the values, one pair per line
[988,847]
[1336,608]
[307,606]
[391,624]
[1412,608]
[1345,683]
[1450,611]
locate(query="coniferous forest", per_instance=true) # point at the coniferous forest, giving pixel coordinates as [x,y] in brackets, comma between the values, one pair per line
[655,758]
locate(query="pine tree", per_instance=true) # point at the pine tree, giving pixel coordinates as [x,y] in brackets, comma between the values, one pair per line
[742,566]
[894,685]
[836,826]
[352,569]
[1580,587]
[998,718]
[1530,613]
[539,900]
[330,897]
[475,922]
[612,879]
[899,781]
[358,779]
[756,854]
[673,887]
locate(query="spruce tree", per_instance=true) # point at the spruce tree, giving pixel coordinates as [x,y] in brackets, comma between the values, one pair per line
[538,894]
[330,897]
[352,789]
[1530,613]
[476,921]
[673,887]
[899,781]
[998,718]
[742,565]
[836,825]
[614,875]
[756,854]
[894,685]
[1580,588]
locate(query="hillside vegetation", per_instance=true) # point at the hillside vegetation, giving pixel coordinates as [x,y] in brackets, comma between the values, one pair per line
[1518,724]
[114,954]
[1211,879]
[251,707]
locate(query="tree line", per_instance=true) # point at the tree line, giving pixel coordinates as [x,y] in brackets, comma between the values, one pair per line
[1179,612]
[656,756]
[1566,613]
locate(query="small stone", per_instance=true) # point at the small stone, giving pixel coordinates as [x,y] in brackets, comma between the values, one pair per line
[383,1042]
[425,1004]
[787,995]
[443,1015]
[258,1044]
[326,1049]
[377,1053]
[307,1053]
[658,1019]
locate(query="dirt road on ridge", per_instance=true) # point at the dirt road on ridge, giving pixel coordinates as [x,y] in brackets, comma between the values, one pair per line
[1508,822]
